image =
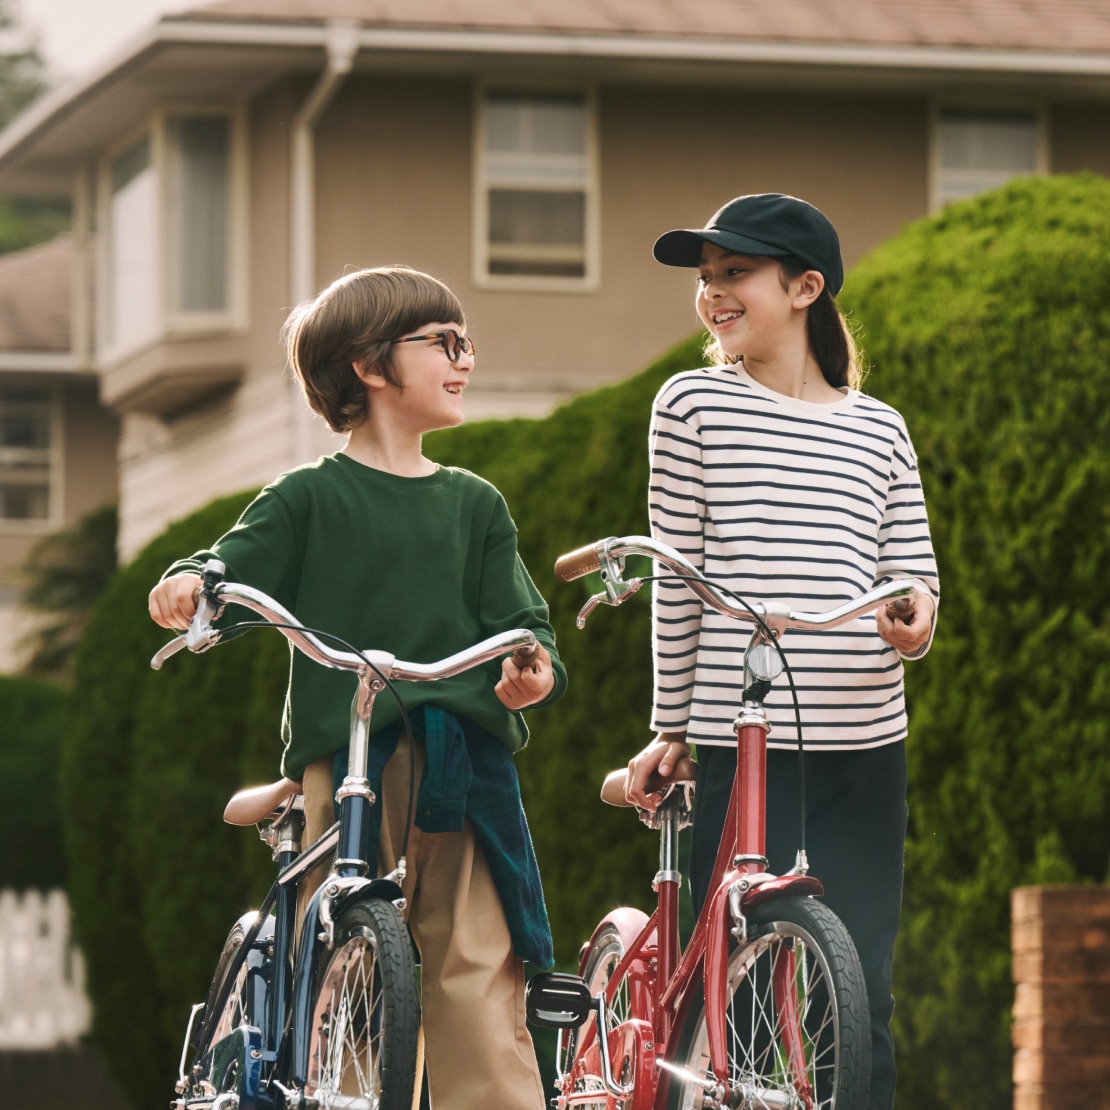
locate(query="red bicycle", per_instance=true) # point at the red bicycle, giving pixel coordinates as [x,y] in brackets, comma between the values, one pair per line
[765,1008]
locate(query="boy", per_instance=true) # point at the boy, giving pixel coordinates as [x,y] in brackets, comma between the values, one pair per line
[385,548]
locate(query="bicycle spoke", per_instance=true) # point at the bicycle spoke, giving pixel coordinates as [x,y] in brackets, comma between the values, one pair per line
[351,1048]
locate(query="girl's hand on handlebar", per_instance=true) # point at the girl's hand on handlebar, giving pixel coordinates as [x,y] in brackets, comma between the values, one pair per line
[661,757]
[521,687]
[907,638]
[173,601]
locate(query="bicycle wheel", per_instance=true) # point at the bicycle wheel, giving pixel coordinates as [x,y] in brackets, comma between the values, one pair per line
[578,1059]
[219,1020]
[363,1040]
[797,1022]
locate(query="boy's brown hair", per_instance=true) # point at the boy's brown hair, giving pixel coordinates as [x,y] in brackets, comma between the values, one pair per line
[354,319]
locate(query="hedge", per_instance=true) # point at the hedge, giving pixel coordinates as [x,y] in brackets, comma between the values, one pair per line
[987,326]
[33,712]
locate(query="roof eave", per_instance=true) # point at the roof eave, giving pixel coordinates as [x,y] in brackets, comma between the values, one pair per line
[882,63]
[616,46]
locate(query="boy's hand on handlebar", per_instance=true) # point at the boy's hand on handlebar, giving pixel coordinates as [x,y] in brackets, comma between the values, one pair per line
[521,687]
[907,638]
[173,601]
[660,757]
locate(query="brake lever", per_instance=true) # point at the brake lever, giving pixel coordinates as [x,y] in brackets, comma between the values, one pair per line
[200,635]
[588,608]
[166,650]
[200,643]
[616,591]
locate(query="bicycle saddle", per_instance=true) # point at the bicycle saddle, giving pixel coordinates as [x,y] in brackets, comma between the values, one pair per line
[612,789]
[256,803]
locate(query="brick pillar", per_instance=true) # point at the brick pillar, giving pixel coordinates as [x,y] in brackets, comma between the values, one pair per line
[1061,1030]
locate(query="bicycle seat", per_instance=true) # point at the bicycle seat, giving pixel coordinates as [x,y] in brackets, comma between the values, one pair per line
[256,803]
[612,789]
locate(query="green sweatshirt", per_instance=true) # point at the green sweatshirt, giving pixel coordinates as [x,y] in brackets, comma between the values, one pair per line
[420,567]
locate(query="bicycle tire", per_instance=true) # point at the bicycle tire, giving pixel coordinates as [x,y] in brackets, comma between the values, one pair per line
[366,1014]
[577,1058]
[828,990]
[233,1012]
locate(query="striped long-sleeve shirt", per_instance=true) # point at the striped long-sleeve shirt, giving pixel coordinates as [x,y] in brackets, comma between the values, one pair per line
[781,499]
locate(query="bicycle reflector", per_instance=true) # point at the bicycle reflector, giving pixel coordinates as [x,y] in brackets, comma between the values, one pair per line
[764,662]
[554,1000]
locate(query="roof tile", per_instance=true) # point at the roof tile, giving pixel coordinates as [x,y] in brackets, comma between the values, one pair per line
[36,294]
[1048,25]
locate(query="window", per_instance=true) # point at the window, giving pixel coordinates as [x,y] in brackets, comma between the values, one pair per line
[26,417]
[977,151]
[537,189]
[133,246]
[199,205]
[169,262]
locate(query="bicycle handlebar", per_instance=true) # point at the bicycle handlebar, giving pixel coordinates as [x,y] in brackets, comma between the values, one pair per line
[215,593]
[607,556]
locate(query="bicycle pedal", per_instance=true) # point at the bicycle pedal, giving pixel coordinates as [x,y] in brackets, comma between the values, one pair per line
[554,1000]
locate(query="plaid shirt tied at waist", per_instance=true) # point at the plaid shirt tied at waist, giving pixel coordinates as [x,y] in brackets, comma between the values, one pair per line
[470,775]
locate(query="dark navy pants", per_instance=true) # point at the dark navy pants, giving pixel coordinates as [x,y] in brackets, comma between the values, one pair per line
[855,839]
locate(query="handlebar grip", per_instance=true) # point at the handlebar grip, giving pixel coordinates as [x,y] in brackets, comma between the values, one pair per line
[577,563]
[525,656]
[902,608]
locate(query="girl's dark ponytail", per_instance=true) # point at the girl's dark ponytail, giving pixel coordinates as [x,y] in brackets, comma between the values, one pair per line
[830,338]
[832,344]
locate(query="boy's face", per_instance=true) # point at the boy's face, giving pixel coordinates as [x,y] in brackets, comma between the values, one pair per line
[429,395]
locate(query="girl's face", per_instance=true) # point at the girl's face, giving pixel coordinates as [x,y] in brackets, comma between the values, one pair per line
[742,301]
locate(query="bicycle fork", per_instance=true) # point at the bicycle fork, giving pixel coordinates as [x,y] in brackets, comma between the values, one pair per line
[745,884]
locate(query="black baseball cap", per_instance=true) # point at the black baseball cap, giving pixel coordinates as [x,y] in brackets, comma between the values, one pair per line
[771,225]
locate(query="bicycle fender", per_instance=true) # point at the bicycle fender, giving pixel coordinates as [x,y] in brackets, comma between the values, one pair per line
[782,886]
[629,923]
[384,889]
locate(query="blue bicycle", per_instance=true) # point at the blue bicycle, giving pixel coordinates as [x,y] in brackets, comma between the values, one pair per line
[327,1016]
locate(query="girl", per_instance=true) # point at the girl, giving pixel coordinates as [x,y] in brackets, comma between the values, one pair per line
[771,472]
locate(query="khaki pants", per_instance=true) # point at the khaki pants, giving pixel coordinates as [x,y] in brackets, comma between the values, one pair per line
[479,1052]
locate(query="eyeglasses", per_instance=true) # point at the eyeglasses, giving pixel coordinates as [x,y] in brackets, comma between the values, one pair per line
[452,343]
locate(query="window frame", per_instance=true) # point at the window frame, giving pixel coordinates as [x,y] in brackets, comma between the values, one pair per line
[1038,113]
[55,459]
[171,321]
[590,281]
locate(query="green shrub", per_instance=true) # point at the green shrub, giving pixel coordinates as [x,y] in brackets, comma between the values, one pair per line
[64,575]
[33,713]
[154,875]
[987,327]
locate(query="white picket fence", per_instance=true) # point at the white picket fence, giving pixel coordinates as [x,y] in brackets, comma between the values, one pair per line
[43,1004]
